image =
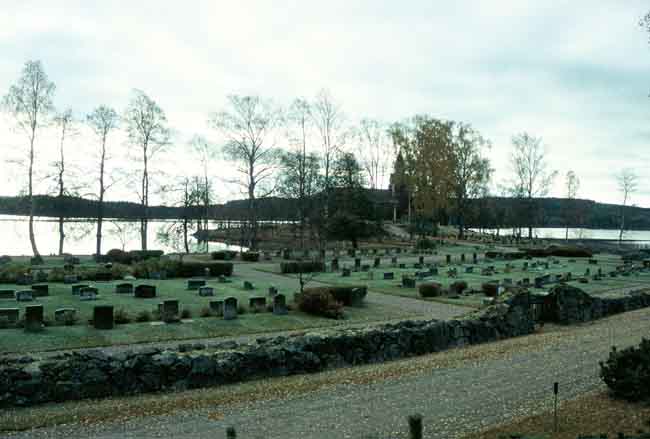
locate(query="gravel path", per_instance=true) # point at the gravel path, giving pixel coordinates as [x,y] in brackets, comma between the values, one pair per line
[456,391]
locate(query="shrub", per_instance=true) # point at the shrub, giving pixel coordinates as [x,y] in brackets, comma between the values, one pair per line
[250,256]
[4,259]
[192,269]
[302,267]
[12,271]
[186,313]
[122,317]
[351,295]
[627,372]
[56,274]
[143,316]
[118,256]
[490,289]
[458,287]
[430,289]
[206,312]
[319,301]
[70,319]
[425,244]
[223,255]
[143,255]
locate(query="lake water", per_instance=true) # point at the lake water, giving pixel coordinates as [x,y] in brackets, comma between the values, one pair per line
[80,236]
[634,237]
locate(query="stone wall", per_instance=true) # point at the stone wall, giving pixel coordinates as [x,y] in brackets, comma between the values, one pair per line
[94,374]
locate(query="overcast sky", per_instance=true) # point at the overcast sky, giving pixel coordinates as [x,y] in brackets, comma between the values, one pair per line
[573,72]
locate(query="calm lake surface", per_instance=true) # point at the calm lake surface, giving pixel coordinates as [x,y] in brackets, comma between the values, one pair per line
[634,237]
[80,236]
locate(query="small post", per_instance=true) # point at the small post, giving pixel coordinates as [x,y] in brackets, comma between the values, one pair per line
[231,433]
[555,391]
[415,426]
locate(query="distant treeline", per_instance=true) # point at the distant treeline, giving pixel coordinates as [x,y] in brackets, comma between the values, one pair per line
[492,212]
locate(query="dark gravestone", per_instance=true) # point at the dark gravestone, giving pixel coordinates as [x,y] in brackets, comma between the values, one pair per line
[280,305]
[89,293]
[230,308]
[421,260]
[9,316]
[41,276]
[286,254]
[248,285]
[33,318]
[377,263]
[25,279]
[104,276]
[389,276]
[402,266]
[273,291]
[357,264]
[103,317]
[216,306]
[77,288]
[7,294]
[469,270]
[195,284]
[539,282]
[40,290]
[593,261]
[393,261]
[335,264]
[408,282]
[65,315]
[24,296]
[474,258]
[170,311]
[70,279]
[365,267]
[525,281]
[462,257]
[433,271]
[448,259]
[125,288]
[257,304]
[345,272]
[145,291]
[206,291]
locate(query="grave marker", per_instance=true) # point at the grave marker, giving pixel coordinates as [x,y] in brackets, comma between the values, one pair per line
[217,307]
[65,315]
[145,291]
[280,305]
[206,291]
[103,316]
[24,296]
[33,318]
[124,288]
[230,308]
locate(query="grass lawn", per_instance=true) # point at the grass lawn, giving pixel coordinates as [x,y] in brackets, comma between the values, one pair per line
[590,415]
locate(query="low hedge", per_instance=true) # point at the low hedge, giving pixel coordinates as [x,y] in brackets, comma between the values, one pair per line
[118,256]
[350,295]
[430,289]
[458,287]
[143,255]
[292,267]
[561,251]
[320,302]
[627,372]
[223,255]
[250,257]
[173,269]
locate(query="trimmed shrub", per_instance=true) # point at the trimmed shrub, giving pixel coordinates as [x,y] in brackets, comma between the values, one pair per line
[12,271]
[223,255]
[430,289]
[425,244]
[320,302]
[250,257]
[458,287]
[563,251]
[627,372]
[490,289]
[118,256]
[292,267]
[143,255]
[351,295]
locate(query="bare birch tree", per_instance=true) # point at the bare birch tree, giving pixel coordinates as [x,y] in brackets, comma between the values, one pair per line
[64,123]
[374,150]
[148,132]
[248,128]
[627,181]
[102,121]
[572,185]
[29,102]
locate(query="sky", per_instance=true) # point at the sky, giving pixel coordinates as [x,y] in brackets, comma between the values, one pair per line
[575,73]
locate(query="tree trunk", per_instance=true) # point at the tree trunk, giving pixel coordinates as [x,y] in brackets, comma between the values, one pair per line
[185,241]
[61,235]
[32,238]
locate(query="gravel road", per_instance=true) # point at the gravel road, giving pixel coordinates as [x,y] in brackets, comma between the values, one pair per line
[456,391]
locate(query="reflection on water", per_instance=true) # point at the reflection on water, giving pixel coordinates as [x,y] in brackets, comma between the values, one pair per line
[639,237]
[80,236]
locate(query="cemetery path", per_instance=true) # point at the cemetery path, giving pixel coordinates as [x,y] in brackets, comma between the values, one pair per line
[456,391]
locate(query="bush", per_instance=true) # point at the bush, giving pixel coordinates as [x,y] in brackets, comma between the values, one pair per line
[425,244]
[320,302]
[206,311]
[627,372]
[351,295]
[186,314]
[192,269]
[430,289]
[4,259]
[122,317]
[70,319]
[223,255]
[56,274]
[250,257]
[302,267]
[458,287]
[490,289]
[118,256]
[143,316]
[143,255]
[10,272]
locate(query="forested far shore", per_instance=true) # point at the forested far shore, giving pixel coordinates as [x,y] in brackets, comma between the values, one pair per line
[490,212]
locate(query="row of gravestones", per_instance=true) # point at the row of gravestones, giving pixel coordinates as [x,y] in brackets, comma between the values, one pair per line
[103,315]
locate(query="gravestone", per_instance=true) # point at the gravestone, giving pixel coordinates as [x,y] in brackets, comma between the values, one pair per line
[206,291]
[462,257]
[421,260]
[145,291]
[352,252]
[24,296]
[89,293]
[124,288]
[345,272]
[335,264]
[77,288]
[195,284]
[33,318]
[65,315]
[474,258]
[507,281]
[376,263]
[103,317]
[206,272]
[433,271]
[280,305]
[417,266]
[248,285]
[393,261]
[452,272]
[9,315]
[539,282]
[600,272]
[525,267]
[469,270]
[41,276]
[217,307]
[170,311]
[70,279]
[230,308]
[7,294]
[365,268]
[402,266]
[408,282]
[40,290]
[222,279]
[357,264]
[273,291]
[286,254]
[103,276]
[25,279]
[420,275]
[389,276]
[593,261]
[525,281]
[398,250]
[448,259]
[587,272]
